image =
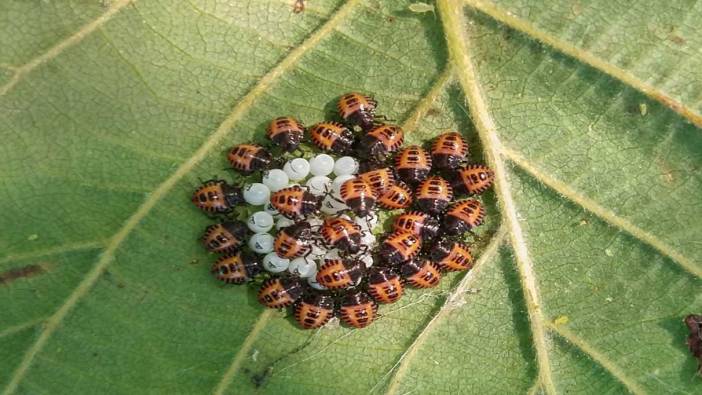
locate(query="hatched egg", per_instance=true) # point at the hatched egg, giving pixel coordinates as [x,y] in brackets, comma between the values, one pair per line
[321,165]
[271,210]
[318,185]
[303,267]
[368,239]
[368,222]
[283,223]
[346,165]
[312,281]
[257,194]
[261,243]
[275,179]
[317,251]
[332,206]
[332,254]
[260,222]
[315,221]
[275,264]
[367,260]
[297,169]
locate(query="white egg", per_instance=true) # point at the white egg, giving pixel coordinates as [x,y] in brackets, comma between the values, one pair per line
[297,169]
[275,179]
[368,222]
[283,223]
[319,185]
[317,252]
[346,165]
[312,281]
[332,206]
[303,267]
[271,210]
[322,165]
[332,254]
[338,181]
[367,260]
[261,243]
[315,221]
[257,194]
[368,239]
[260,222]
[275,264]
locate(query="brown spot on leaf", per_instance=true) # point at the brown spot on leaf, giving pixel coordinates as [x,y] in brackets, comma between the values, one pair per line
[694,340]
[22,272]
[676,39]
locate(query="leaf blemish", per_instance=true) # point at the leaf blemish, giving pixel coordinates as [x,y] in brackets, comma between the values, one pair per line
[23,272]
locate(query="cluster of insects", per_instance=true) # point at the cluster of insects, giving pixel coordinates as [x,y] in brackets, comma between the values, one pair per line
[315,243]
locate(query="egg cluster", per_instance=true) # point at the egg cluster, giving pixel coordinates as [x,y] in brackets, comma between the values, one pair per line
[310,218]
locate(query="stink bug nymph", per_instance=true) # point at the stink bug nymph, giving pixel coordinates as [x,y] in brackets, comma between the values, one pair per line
[400,247]
[279,292]
[293,241]
[359,196]
[384,285]
[380,141]
[247,158]
[433,195]
[418,223]
[217,197]
[452,255]
[358,310]
[342,234]
[421,274]
[295,202]
[413,164]
[448,151]
[314,311]
[473,179]
[225,237]
[332,136]
[236,268]
[340,273]
[286,132]
[463,216]
[357,109]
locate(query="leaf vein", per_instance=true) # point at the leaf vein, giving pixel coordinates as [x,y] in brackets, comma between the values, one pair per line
[588,58]
[78,36]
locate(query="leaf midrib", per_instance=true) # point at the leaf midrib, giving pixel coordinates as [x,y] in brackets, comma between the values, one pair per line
[212,142]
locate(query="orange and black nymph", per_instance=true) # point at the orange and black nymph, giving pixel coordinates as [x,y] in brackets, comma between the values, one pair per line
[463,216]
[342,234]
[381,141]
[358,310]
[398,195]
[314,311]
[413,164]
[359,196]
[473,179]
[332,136]
[295,202]
[217,197]
[421,274]
[247,158]
[279,292]
[293,241]
[357,109]
[236,268]
[225,237]
[286,132]
[433,195]
[400,247]
[384,285]
[452,255]
[418,223]
[340,273]
[448,151]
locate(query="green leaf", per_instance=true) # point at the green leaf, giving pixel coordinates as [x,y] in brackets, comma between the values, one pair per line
[111,112]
